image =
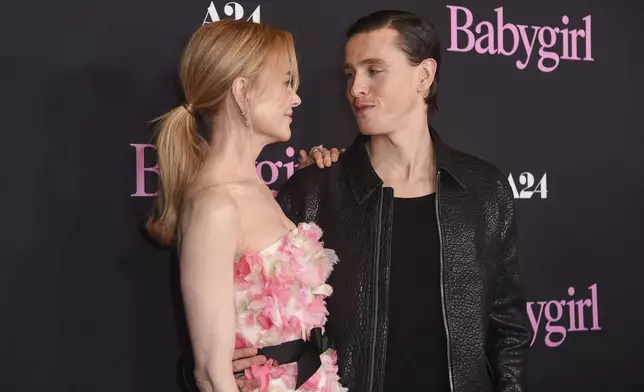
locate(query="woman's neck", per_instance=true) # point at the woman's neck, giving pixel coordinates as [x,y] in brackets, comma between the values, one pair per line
[233,151]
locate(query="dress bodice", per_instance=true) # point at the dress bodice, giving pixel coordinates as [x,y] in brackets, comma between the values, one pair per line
[280,295]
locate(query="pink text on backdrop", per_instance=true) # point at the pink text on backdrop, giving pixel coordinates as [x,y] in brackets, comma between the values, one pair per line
[493,39]
[141,170]
[268,171]
[559,317]
[274,168]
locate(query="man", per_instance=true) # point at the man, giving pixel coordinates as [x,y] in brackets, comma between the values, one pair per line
[426,293]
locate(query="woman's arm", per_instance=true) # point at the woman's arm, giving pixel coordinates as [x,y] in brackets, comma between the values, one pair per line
[210,235]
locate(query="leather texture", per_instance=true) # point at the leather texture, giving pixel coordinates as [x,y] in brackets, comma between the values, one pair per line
[486,319]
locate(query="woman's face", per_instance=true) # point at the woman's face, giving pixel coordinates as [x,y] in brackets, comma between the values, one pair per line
[273,100]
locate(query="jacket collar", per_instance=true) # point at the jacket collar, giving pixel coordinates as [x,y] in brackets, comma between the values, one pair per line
[363,179]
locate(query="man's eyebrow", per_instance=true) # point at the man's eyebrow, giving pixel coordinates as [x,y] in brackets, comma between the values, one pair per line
[369,61]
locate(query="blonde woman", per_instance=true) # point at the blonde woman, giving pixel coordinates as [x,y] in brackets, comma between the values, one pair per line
[250,277]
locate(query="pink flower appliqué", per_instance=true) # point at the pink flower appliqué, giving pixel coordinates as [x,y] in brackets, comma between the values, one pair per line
[281,291]
[242,270]
[330,369]
[311,232]
[280,296]
[315,313]
[269,370]
[268,311]
[240,342]
[291,250]
[249,270]
[326,379]
[261,373]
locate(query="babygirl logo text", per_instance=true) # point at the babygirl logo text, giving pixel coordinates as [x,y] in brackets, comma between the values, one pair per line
[268,171]
[493,39]
[559,317]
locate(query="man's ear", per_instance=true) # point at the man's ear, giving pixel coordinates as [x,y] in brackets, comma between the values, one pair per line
[426,75]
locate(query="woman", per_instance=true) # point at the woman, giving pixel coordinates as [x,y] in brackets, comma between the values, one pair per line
[249,276]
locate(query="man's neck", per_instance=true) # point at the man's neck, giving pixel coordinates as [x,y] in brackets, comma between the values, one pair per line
[405,160]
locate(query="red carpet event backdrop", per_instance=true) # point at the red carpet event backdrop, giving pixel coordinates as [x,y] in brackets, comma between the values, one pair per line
[549,91]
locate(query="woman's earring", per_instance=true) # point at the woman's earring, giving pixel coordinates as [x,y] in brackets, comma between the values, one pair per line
[246,119]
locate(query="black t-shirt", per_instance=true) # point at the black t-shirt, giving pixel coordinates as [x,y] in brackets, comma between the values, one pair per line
[416,344]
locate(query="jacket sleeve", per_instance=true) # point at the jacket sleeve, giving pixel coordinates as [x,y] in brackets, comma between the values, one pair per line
[510,329]
[296,194]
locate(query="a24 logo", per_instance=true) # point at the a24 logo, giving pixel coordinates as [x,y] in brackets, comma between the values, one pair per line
[231,9]
[528,186]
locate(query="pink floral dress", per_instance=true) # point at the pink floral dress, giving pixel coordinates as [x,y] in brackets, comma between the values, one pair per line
[280,297]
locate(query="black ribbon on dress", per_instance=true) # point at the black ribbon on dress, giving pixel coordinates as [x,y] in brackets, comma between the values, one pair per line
[305,352]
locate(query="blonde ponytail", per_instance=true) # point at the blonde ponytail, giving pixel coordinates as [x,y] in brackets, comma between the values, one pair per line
[180,154]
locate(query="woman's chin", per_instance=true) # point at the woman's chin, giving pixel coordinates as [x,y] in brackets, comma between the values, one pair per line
[286,136]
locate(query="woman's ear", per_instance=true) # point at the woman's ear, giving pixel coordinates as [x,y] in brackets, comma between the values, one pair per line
[239,91]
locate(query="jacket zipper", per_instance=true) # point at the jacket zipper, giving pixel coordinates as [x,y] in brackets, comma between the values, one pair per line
[375,301]
[440,239]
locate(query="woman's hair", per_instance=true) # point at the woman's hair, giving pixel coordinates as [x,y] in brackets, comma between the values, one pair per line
[216,54]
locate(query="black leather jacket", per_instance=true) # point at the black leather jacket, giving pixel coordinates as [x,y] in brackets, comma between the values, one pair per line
[485,314]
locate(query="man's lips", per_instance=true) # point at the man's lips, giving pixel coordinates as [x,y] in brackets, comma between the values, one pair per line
[362,107]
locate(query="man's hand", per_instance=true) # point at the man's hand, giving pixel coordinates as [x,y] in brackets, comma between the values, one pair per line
[319,155]
[244,358]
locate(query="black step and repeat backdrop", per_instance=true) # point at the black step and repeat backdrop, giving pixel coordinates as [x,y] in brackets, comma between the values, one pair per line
[550,91]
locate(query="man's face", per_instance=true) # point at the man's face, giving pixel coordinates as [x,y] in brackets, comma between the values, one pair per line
[382,86]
